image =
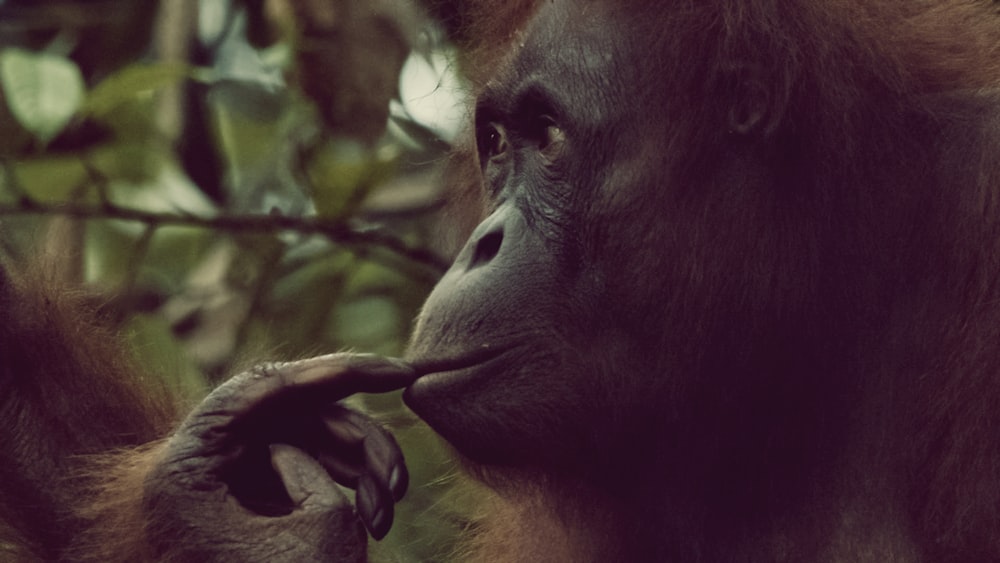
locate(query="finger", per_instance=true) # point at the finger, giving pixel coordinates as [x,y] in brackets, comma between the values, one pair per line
[324,378]
[385,461]
[380,454]
[342,453]
[306,482]
[380,479]
[347,374]
[375,506]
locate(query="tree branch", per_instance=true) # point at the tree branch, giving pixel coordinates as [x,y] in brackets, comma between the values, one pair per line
[339,232]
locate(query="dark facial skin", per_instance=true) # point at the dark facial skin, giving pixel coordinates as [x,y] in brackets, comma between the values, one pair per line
[618,305]
[519,334]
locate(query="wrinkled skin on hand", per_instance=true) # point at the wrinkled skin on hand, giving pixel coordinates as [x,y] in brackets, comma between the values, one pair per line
[252,473]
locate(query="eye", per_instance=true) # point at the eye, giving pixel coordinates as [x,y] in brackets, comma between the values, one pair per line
[550,136]
[492,141]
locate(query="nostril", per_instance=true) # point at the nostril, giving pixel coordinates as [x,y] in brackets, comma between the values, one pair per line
[487,247]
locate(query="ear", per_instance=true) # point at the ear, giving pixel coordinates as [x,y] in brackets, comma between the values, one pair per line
[749,109]
[756,102]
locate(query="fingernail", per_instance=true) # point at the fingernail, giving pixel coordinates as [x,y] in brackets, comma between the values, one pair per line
[398,482]
[379,529]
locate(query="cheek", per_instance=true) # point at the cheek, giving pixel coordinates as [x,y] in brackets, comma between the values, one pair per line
[531,344]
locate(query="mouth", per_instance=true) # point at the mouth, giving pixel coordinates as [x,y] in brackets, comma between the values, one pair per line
[447,381]
[483,355]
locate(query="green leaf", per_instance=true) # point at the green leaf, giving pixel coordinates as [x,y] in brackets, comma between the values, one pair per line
[52,179]
[132,82]
[342,172]
[136,162]
[43,91]
[369,323]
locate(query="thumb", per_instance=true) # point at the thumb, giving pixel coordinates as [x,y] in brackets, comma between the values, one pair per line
[308,485]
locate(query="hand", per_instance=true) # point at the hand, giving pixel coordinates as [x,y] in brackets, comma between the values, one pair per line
[250,475]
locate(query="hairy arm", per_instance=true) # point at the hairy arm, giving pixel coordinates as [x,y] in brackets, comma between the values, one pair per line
[251,474]
[67,391]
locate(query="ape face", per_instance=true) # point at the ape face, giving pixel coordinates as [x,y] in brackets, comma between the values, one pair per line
[574,301]
[513,329]
[646,283]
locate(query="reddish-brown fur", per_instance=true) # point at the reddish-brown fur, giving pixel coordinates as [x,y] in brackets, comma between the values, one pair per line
[68,391]
[919,480]
[835,68]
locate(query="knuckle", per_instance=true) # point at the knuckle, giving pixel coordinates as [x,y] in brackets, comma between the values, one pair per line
[267,370]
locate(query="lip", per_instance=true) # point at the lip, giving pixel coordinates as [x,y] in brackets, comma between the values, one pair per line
[458,362]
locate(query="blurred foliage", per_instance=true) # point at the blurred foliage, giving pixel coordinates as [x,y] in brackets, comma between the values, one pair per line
[220,175]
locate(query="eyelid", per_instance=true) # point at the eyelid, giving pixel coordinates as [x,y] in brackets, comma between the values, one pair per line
[535,97]
[532,118]
[553,143]
[547,120]
[497,143]
[538,112]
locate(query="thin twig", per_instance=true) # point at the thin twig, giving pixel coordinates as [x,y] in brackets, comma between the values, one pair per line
[336,231]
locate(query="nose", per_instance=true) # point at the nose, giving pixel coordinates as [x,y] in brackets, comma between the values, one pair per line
[490,240]
[486,246]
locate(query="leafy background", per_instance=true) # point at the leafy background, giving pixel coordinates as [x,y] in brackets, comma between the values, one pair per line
[238,180]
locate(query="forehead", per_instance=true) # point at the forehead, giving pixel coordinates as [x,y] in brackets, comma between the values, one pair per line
[575,51]
[584,33]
